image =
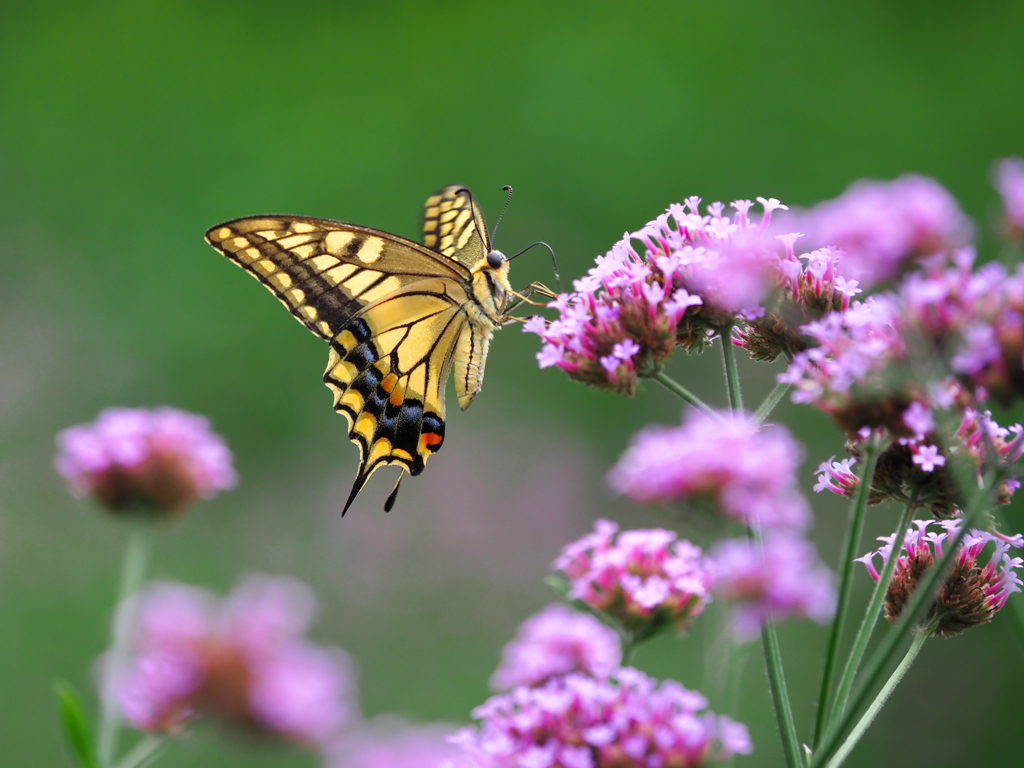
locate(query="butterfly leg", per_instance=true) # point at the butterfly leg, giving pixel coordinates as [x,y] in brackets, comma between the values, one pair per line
[527,292]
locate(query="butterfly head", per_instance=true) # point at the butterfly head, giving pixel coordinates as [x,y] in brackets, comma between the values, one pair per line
[490,284]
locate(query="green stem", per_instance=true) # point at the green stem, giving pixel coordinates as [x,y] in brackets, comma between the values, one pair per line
[780,695]
[143,753]
[920,602]
[876,706]
[777,680]
[765,409]
[680,391]
[853,536]
[732,376]
[870,620]
[132,573]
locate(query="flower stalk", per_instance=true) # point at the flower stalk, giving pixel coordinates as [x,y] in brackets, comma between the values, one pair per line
[851,545]
[924,596]
[868,622]
[680,391]
[133,572]
[883,696]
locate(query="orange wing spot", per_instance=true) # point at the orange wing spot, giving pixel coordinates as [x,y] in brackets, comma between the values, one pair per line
[429,439]
[397,397]
[388,383]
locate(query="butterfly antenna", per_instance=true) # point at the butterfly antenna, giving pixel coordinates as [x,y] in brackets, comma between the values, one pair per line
[554,261]
[506,188]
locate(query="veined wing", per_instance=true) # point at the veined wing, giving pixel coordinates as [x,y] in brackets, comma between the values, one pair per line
[388,370]
[454,225]
[326,271]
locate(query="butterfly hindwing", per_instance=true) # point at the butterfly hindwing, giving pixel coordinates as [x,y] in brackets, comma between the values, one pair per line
[397,315]
[388,372]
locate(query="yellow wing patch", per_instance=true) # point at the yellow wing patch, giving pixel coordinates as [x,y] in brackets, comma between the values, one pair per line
[453,225]
[397,316]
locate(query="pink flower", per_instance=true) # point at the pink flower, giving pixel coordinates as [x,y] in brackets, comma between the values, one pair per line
[746,471]
[243,660]
[646,580]
[915,466]
[882,225]
[157,461]
[692,277]
[627,721]
[808,286]
[555,642]
[781,580]
[972,592]
[390,743]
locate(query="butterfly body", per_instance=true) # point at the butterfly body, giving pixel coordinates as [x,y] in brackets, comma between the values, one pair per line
[399,316]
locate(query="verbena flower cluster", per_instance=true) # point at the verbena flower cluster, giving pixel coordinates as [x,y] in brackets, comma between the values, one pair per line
[625,721]
[242,659]
[730,464]
[389,743]
[779,578]
[155,461]
[882,227]
[645,580]
[868,361]
[879,365]
[915,467]
[697,274]
[973,590]
[808,287]
[555,642]
[728,461]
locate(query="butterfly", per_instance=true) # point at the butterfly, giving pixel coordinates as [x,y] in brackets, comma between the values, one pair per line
[399,316]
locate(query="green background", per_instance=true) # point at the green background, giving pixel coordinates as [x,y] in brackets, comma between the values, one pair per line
[127,129]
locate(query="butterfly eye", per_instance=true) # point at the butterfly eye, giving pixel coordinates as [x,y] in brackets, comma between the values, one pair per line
[495,259]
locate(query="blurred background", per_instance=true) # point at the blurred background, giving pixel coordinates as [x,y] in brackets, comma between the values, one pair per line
[127,129]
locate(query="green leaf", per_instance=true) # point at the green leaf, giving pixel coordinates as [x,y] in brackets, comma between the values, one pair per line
[75,725]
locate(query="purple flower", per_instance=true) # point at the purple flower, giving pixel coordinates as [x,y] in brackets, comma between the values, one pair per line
[808,287]
[1010,183]
[160,460]
[744,470]
[646,580]
[627,721]
[971,593]
[390,743]
[928,457]
[555,642]
[915,466]
[243,660]
[865,366]
[882,225]
[692,277]
[837,476]
[781,580]
[847,372]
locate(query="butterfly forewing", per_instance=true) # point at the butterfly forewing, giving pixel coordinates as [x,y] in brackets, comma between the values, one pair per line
[453,225]
[325,271]
[397,316]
